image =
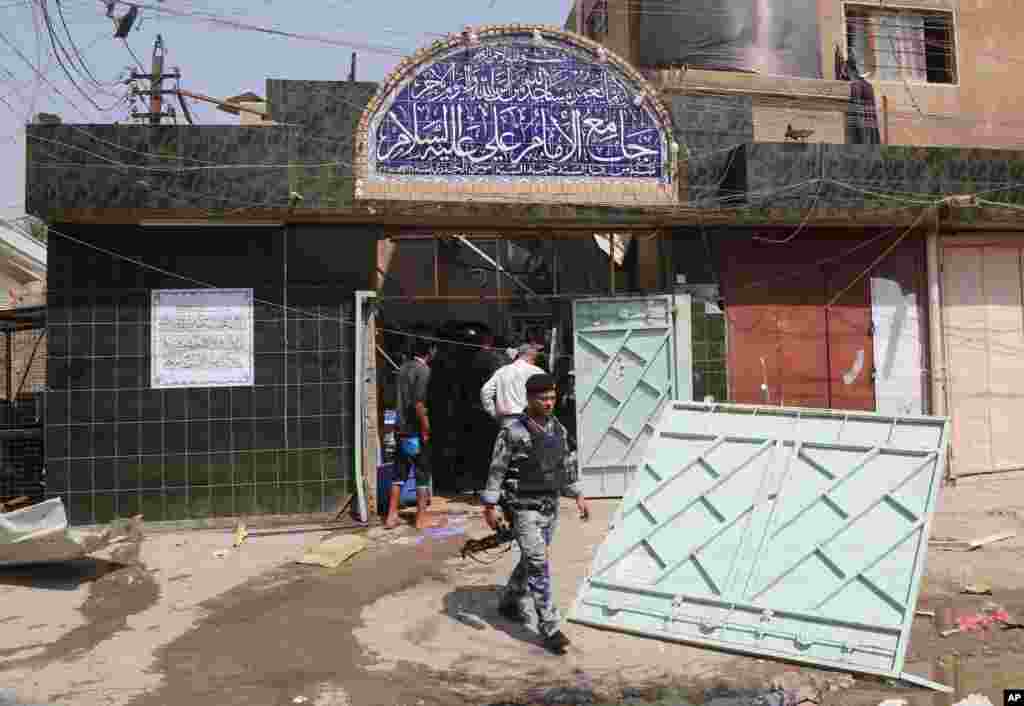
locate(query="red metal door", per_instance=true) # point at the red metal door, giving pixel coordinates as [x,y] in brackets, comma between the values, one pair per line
[851,360]
[786,345]
[777,349]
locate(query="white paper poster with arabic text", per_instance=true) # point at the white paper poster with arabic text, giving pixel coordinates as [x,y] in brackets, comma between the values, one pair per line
[202,338]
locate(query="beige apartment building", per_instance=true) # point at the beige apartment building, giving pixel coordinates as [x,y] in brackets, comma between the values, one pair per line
[944,72]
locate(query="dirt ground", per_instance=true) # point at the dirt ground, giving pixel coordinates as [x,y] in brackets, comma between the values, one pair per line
[184,618]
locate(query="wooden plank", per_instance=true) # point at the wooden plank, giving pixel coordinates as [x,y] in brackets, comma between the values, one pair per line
[991,539]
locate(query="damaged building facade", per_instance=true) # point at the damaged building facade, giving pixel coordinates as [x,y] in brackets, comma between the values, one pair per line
[493,182]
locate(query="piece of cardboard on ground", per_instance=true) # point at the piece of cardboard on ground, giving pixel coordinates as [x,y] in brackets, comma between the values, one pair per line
[332,552]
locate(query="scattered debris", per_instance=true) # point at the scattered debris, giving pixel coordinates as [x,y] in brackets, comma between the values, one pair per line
[330,527]
[951,544]
[753,697]
[991,614]
[894,702]
[788,681]
[299,700]
[39,534]
[334,551]
[991,539]
[13,503]
[977,589]
[924,613]
[241,533]
[974,700]
[843,681]
[220,553]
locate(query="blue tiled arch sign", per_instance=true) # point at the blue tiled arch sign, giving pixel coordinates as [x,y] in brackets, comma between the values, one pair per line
[530,113]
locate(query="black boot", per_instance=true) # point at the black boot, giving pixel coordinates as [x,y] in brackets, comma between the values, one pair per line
[556,643]
[510,611]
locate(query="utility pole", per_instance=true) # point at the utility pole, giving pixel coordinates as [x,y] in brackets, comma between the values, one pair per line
[156,80]
[156,83]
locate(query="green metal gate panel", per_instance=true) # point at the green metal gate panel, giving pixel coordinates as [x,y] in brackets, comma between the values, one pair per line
[625,370]
[792,533]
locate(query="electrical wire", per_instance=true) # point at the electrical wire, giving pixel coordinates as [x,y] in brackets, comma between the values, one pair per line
[41,76]
[403,333]
[927,199]
[74,47]
[59,49]
[877,261]
[239,25]
[138,62]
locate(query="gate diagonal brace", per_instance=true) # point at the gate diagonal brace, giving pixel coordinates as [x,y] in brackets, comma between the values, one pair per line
[764,447]
[799,614]
[846,525]
[622,405]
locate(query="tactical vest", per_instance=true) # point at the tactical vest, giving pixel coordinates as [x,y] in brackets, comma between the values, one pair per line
[543,471]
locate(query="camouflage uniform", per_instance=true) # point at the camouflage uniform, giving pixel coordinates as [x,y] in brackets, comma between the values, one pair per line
[534,520]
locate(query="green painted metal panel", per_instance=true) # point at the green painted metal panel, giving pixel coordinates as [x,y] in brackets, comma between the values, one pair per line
[625,368]
[791,533]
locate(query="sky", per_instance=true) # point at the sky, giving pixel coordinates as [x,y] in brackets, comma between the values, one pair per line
[214,60]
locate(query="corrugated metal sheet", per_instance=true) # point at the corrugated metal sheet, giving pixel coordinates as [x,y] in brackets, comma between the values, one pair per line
[984,335]
[625,374]
[796,534]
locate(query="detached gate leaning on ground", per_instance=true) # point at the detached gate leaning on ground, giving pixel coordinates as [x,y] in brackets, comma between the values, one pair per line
[797,534]
[625,365]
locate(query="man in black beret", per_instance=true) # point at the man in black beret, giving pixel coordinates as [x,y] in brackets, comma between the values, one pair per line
[530,468]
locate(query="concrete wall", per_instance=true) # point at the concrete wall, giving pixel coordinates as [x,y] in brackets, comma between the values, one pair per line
[978,111]
[771,174]
[975,112]
[308,150]
[116,446]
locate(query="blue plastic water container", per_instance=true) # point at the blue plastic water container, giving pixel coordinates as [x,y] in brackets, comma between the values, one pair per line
[385,474]
[410,445]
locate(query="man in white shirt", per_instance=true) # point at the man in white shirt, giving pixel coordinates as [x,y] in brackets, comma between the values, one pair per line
[504,394]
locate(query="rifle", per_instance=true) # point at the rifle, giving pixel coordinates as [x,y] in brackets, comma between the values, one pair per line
[503,535]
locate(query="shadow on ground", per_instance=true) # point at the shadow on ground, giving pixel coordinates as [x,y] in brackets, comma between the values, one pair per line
[62,576]
[477,606]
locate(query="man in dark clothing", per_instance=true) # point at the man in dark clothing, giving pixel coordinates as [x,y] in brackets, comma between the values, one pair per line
[482,429]
[413,433]
[530,468]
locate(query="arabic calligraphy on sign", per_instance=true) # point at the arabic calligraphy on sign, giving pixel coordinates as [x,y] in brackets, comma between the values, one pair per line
[518,109]
[202,338]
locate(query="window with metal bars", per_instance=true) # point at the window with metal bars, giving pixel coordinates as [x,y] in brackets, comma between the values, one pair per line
[902,45]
